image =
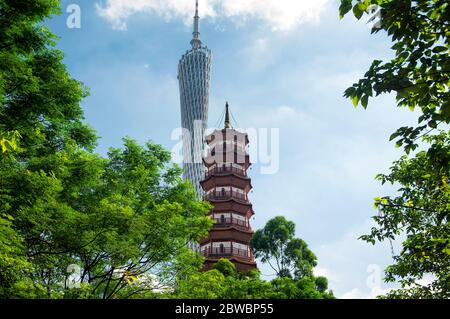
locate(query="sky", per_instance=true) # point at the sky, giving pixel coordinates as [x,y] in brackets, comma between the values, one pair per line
[281,64]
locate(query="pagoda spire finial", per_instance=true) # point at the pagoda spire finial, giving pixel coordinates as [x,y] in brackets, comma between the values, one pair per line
[227,116]
[195,42]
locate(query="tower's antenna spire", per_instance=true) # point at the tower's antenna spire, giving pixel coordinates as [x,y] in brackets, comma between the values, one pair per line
[227,116]
[195,42]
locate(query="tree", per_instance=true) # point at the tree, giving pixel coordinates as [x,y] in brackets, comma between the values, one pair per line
[239,285]
[38,98]
[276,245]
[117,219]
[304,288]
[419,75]
[420,211]
[224,282]
[39,109]
[39,104]
[8,141]
[121,222]
[202,285]
[148,216]
[321,283]
[13,262]
[226,267]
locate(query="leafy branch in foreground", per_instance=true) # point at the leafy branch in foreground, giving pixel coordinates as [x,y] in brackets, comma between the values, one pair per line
[421,212]
[223,281]
[122,220]
[419,74]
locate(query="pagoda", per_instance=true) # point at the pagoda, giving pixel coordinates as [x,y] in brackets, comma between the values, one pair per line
[226,186]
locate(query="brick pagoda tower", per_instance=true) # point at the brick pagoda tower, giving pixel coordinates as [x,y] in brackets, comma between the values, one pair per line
[226,186]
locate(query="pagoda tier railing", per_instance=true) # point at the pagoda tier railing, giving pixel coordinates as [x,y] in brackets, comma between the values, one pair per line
[224,195]
[225,170]
[218,252]
[230,221]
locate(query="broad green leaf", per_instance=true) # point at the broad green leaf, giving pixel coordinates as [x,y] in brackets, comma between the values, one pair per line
[355,100]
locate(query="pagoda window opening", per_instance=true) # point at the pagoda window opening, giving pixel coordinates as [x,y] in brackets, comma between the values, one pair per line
[226,192]
[231,218]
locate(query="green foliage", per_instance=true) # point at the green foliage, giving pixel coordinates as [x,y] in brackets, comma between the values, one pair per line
[118,219]
[123,220]
[419,74]
[294,263]
[304,288]
[246,287]
[203,285]
[214,284]
[276,245]
[321,283]
[38,98]
[226,267]
[421,212]
[9,142]
[14,266]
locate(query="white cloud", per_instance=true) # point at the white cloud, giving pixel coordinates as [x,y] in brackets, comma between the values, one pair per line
[426,280]
[321,271]
[118,11]
[355,293]
[281,15]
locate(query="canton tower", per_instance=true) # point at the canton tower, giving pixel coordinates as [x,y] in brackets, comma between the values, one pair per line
[194,74]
